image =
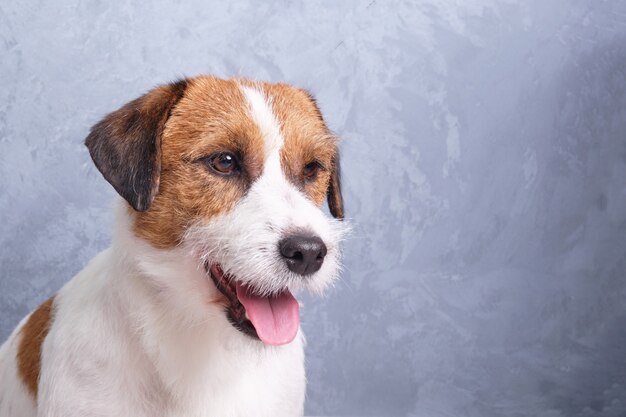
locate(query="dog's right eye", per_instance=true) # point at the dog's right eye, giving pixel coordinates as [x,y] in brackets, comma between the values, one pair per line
[223,163]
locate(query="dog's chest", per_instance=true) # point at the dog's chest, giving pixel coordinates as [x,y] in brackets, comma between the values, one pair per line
[239,384]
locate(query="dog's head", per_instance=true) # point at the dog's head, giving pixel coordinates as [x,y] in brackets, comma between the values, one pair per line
[236,171]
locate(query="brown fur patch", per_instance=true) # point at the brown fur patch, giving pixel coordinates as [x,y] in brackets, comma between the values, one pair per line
[212,117]
[29,350]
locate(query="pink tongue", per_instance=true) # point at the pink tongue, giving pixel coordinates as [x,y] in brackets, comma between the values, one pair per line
[276,319]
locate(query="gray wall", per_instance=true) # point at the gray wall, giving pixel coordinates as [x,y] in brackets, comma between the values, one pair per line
[484,147]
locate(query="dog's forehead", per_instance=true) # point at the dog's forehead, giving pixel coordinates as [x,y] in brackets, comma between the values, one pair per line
[256,117]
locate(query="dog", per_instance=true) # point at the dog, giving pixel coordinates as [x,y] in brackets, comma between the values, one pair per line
[190,311]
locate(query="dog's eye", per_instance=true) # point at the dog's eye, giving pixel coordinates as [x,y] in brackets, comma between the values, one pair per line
[310,170]
[223,163]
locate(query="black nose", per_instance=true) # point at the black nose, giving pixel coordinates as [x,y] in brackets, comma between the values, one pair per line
[303,255]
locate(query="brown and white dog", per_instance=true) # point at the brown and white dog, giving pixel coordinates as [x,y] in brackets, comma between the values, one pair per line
[190,311]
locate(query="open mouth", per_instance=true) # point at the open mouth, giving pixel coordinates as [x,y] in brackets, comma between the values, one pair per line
[274,320]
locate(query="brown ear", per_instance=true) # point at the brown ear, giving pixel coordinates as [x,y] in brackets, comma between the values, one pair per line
[335,199]
[126,144]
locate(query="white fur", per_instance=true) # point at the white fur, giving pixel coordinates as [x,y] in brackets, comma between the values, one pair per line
[261,113]
[135,333]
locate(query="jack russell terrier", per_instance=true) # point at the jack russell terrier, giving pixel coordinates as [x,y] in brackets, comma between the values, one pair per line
[190,312]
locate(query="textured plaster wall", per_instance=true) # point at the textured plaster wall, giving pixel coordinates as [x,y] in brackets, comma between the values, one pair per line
[484,154]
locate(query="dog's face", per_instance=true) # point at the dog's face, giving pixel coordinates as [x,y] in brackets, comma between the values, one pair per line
[238,172]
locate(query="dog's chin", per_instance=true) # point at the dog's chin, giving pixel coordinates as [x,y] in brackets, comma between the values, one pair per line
[273,319]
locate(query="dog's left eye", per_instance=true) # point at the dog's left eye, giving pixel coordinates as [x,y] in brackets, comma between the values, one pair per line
[223,163]
[311,170]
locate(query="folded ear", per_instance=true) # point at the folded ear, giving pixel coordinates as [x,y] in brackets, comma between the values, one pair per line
[126,144]
[335,199]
